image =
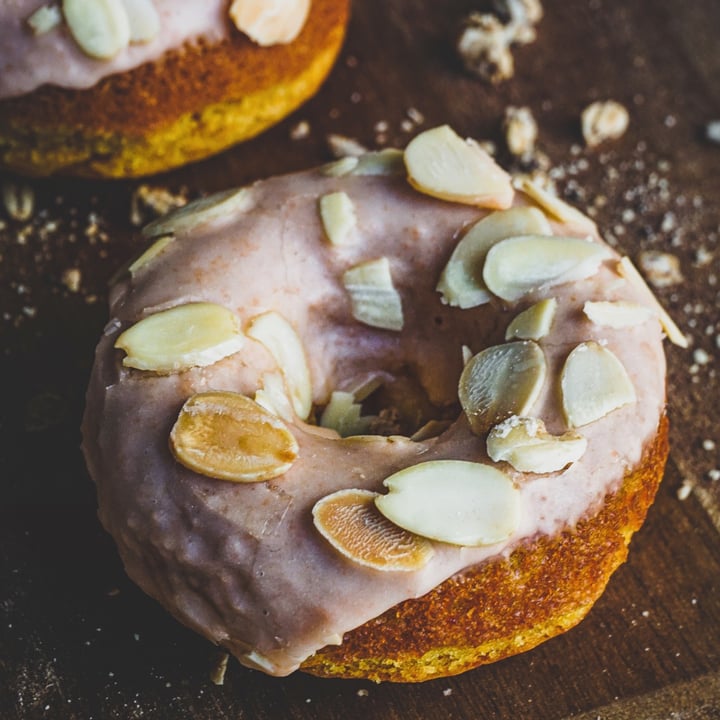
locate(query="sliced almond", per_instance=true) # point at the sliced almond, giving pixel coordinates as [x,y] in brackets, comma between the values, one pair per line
[100,27]
[282,341]
[431,429]
[344,415]
[593,383]
[224,205]
[227,436]
[461,283]
[192,335]
[529,447]
[440,163]
[617,314]
[350,522]
[270,22]
[340,168]
[501,381]
[385,162]
[144,20]
[273,396]
[44,19]
[150,254]
[533,323]
[452,501]
[673,332]
[337,213]
[552,204]
[374,299]
[520,265]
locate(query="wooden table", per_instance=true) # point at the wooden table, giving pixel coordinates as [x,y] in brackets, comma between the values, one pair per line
[78,640]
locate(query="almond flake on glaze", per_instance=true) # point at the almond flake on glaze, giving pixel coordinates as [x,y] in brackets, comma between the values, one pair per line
[453,501]
[593,383]
[441,164]
[501,381]
[533,323]
[185,336]
[374,299]
[524,443]
[227,436]
[524,264]
[352,524]
[461,282]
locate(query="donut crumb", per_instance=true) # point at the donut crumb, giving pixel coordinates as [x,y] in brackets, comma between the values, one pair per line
[217,673]
[486,40]
[604,120]
[149,202]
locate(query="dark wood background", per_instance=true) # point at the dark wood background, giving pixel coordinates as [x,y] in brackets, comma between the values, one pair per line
[78,640]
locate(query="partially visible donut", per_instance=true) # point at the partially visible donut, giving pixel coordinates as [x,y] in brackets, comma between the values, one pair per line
[193,86]
[262,323]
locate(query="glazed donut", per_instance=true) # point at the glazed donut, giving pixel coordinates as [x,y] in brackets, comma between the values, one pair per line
[374,428]
[153,84]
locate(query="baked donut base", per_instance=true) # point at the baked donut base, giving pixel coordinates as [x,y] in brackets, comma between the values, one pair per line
[506,606]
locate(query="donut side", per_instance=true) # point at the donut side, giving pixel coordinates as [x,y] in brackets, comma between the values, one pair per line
[505,606]
[192,103]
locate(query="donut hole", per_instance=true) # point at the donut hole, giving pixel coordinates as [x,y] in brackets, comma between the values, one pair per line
[400,405]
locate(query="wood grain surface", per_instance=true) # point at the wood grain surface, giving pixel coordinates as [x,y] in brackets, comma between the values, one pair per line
[78,640]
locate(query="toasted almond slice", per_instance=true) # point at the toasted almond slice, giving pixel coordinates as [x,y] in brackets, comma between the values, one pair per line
[337,213]
[385,162]
[453,501]
[273,396]
[673,332]
[501,381]
[150,254]
[228,436]
[533,323]
[593,383]
[461,283]
[350,522]
[144,20]
[442,164]
[44,19]
[100,27]
[552,204]
[340,168]
[431,429]
[192,335]
[374,299]
[270,22]
[343,415]
[617,314]
[529,447]
[282,341]
[519,265]
[223,205]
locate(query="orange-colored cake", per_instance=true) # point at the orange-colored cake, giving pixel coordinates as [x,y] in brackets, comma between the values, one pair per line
[196,87]
[391,418]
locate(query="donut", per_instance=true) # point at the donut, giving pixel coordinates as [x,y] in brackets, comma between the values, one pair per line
[390,418]
[125,88]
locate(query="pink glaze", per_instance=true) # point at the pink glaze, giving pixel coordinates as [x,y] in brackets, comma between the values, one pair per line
[243,564]
[28,61]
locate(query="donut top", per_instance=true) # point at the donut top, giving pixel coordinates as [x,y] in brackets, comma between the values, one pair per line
[76,43]
[343,297]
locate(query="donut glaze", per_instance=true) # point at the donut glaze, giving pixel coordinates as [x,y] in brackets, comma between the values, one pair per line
[242,564]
